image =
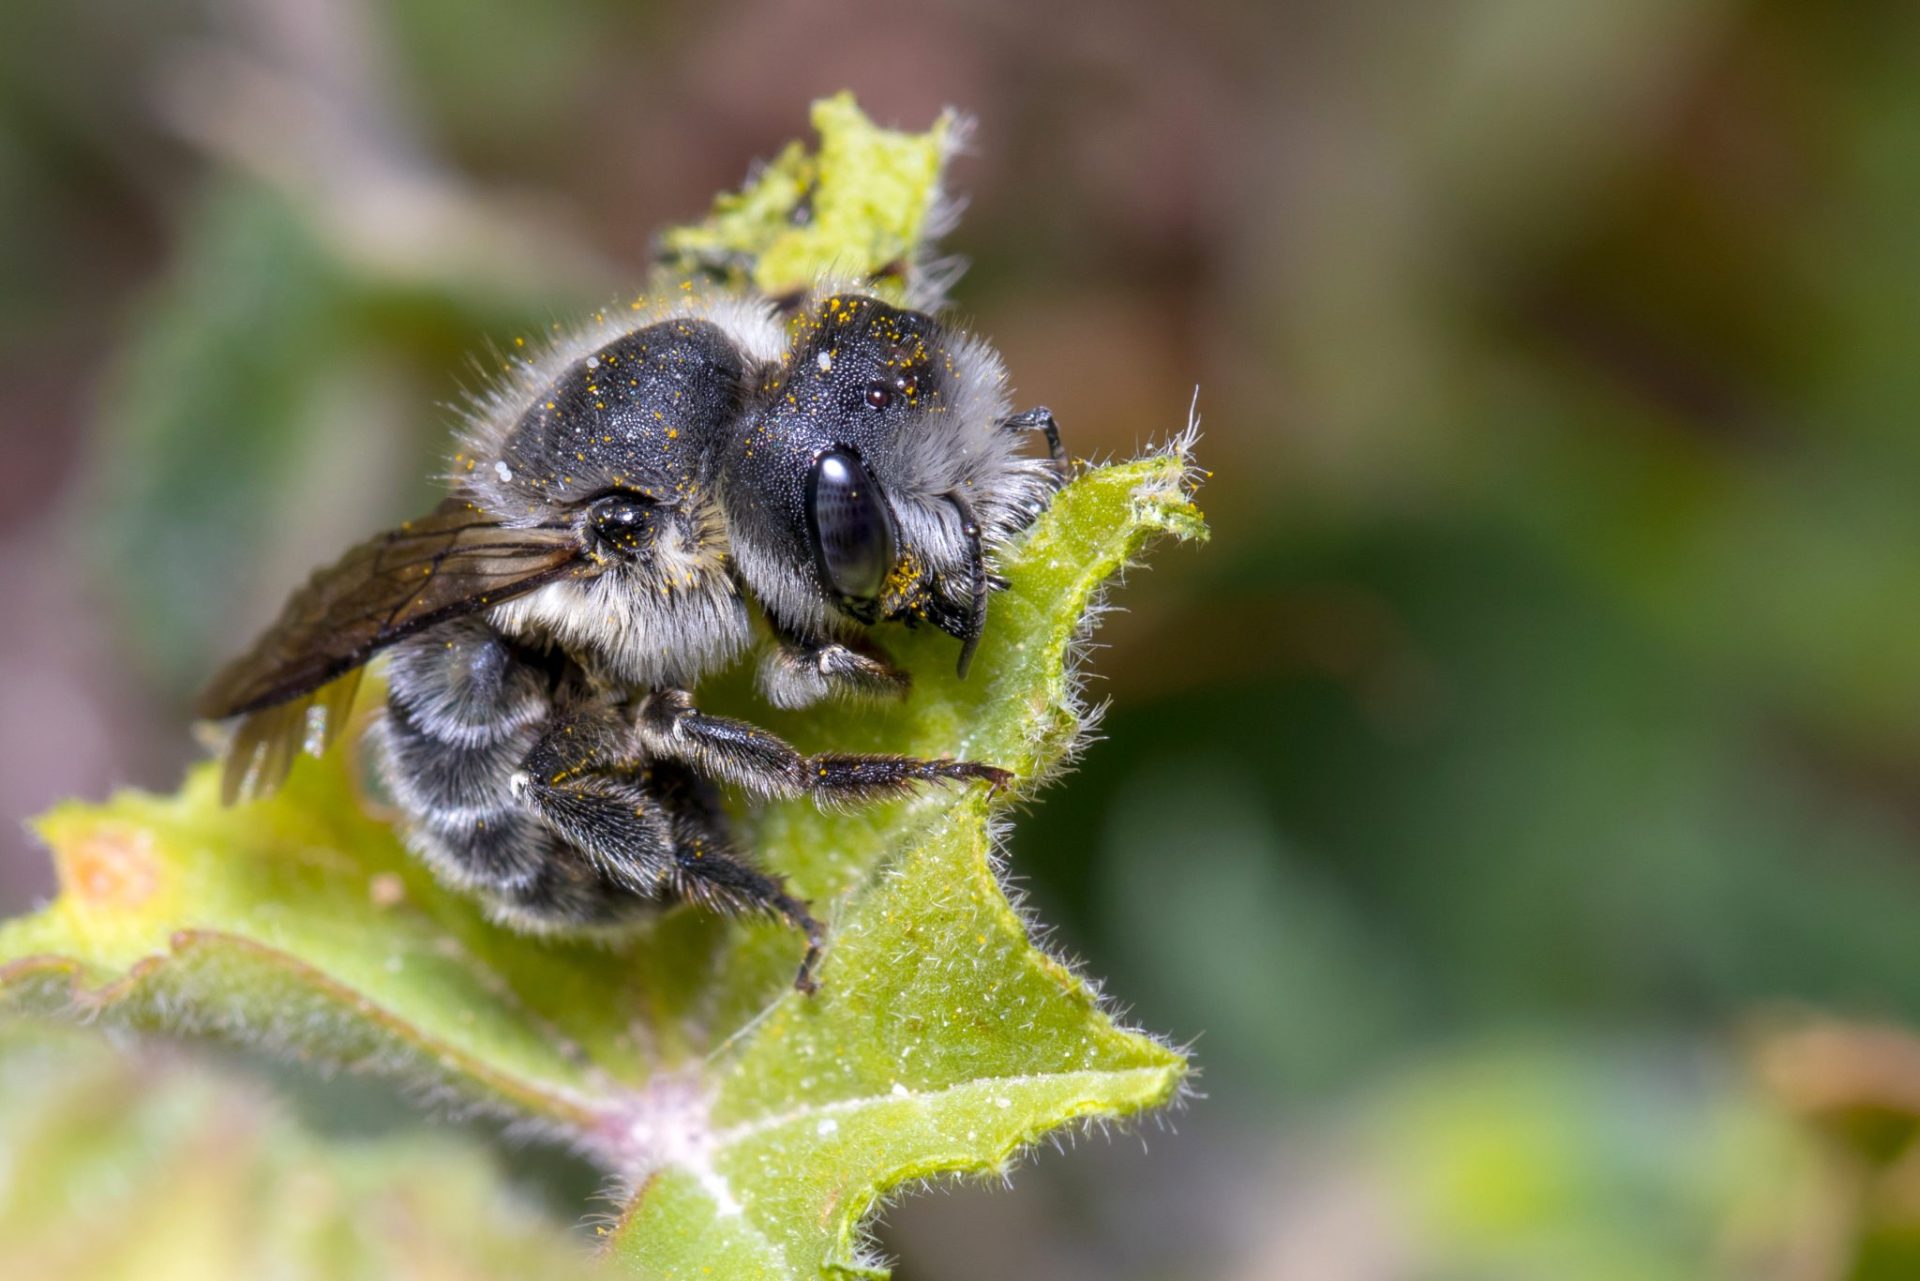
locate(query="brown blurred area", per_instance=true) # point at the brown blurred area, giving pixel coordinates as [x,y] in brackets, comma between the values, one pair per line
[1546,703]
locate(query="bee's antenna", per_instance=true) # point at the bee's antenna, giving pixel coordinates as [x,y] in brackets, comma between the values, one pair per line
[1040,419]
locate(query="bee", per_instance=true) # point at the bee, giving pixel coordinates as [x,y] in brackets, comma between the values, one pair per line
[621,510]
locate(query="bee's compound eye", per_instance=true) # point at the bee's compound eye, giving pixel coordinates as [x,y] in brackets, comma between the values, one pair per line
[879,395]
[851,528]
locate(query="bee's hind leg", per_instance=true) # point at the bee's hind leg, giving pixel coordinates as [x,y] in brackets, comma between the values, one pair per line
[581,781]
[652,826]
[713,873]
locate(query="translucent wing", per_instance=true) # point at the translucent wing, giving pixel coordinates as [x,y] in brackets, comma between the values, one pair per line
[295,685]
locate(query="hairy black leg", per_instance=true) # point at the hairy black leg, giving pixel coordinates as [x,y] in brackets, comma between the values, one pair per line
[798,672]
[765,764]
[1040,419]
[982,582]
[583,780]
[555,822]
[529,878]
[651,825]
[714,874]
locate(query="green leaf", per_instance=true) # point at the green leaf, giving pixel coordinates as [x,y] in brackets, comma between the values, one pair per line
[201,1175]
[755,1127]
[863,205]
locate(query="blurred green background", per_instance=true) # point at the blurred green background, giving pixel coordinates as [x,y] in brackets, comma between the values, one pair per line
[1515,804]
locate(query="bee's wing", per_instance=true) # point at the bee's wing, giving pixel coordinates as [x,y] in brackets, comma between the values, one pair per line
[294,687]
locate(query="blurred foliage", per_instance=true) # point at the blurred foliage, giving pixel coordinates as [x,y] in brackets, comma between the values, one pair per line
[1859,1087]
[1590,1163]
[146,1166]
[1663,860]
[247,417]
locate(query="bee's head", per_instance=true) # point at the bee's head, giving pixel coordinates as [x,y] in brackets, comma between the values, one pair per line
[875,476]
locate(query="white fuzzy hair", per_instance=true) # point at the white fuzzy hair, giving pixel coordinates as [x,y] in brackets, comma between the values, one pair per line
[963,449]
[666,624]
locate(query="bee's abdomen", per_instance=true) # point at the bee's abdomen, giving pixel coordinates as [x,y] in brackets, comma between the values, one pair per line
[463,711]
[445,783]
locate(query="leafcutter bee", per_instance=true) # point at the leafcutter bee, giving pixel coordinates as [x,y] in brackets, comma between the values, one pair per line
[618,503]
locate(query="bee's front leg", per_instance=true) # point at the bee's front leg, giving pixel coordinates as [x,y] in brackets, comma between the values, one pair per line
[796,672]
[761,762]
